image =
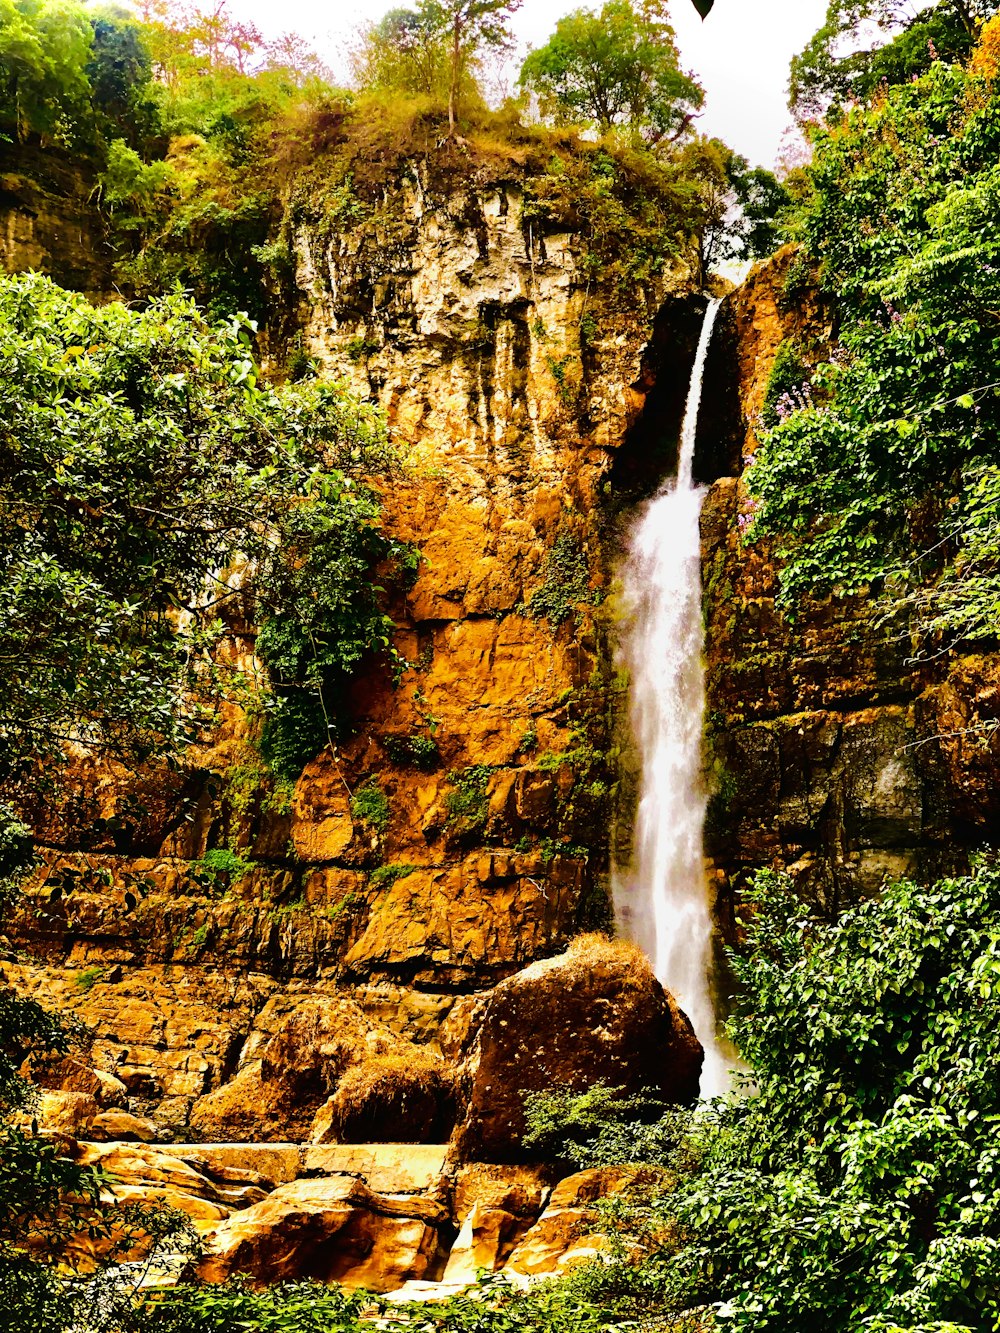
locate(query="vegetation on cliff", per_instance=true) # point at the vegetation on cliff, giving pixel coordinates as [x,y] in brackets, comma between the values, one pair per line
[213,146]
[883,467]
[155,494]
[146,465]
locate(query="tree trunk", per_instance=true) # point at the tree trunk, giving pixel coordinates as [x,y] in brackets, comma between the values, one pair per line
[965,17]
[456,54]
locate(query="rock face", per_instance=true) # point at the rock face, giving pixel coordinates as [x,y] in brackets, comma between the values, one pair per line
[47,221]
[331,1074]
[829,753]
[595,1014]
[510,372]
[389,1218]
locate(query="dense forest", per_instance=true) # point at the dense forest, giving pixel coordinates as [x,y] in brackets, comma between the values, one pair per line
[148,461]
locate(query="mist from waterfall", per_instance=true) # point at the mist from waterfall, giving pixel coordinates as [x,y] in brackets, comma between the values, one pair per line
[661,898]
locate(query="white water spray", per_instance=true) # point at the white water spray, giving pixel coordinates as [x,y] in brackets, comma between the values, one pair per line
[662,899]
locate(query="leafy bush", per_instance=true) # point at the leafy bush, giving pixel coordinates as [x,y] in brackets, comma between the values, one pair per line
[417,749]
[370,806]
[221,863]
[565,580]
[857,1181]
[468,801]
[493,1305]
[144,455]
[600,1126]
[884,476]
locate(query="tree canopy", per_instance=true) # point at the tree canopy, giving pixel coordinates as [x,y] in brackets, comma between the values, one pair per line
[616,67]
[141,456]
[866,43]
[883,469]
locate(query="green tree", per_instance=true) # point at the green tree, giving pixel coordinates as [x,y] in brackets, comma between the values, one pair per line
[404,51]
[842,63]
[120,75]
[141,455]
[618,67]
[469,27]
[45,47]
[882,471]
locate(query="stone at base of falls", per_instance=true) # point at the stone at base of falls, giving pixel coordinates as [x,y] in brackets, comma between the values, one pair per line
[329,1071]
[595,1013]
[333,1230]
[382,1216]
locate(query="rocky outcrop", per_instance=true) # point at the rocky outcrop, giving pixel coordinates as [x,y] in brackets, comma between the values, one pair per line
[325,1064]
[335,1230]
[596,1014]
[48,221]
[331,1074]
[388,1218]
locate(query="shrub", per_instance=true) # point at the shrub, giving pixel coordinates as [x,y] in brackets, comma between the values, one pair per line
[600,1126]
[370,806]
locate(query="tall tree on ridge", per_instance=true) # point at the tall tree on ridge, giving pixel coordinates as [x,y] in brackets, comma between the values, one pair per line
[470,25]
[616,67]
[864,43]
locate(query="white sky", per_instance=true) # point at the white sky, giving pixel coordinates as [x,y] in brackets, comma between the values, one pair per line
[740,53]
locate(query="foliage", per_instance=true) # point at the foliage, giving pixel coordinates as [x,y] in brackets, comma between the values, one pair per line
[221,863]
[468,27]
[841,63]
[416,748]
[142,457]
[787,384]
[882,472]
[854,1184]
[565,580]
[407,52]
[370,806]
[599,1126]
[383,877]
[44,52]
[493,1305]
[300,1307]
[741,207]
[618,67]
[468,801]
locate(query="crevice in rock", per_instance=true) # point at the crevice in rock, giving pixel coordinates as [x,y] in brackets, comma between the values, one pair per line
[648,454]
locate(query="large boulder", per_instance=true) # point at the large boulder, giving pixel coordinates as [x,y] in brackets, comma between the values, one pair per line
[404,1095]
[333,1230]
[328,1057]
[596,1013]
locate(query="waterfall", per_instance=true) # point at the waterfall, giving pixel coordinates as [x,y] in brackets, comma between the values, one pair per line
[662,898]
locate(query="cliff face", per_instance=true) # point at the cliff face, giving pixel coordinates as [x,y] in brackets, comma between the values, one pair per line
[462,832]
[48,222]
[203,902]
[831,751]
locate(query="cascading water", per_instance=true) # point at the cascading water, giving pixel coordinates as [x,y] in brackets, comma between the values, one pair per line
[662,899]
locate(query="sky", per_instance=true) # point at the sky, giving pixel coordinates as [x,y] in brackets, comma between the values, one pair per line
[740,54]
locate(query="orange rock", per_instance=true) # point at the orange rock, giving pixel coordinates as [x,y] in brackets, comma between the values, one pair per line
[594,1013]
[335,1230]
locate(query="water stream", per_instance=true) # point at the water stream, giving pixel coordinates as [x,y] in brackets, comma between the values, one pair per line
[661,898]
